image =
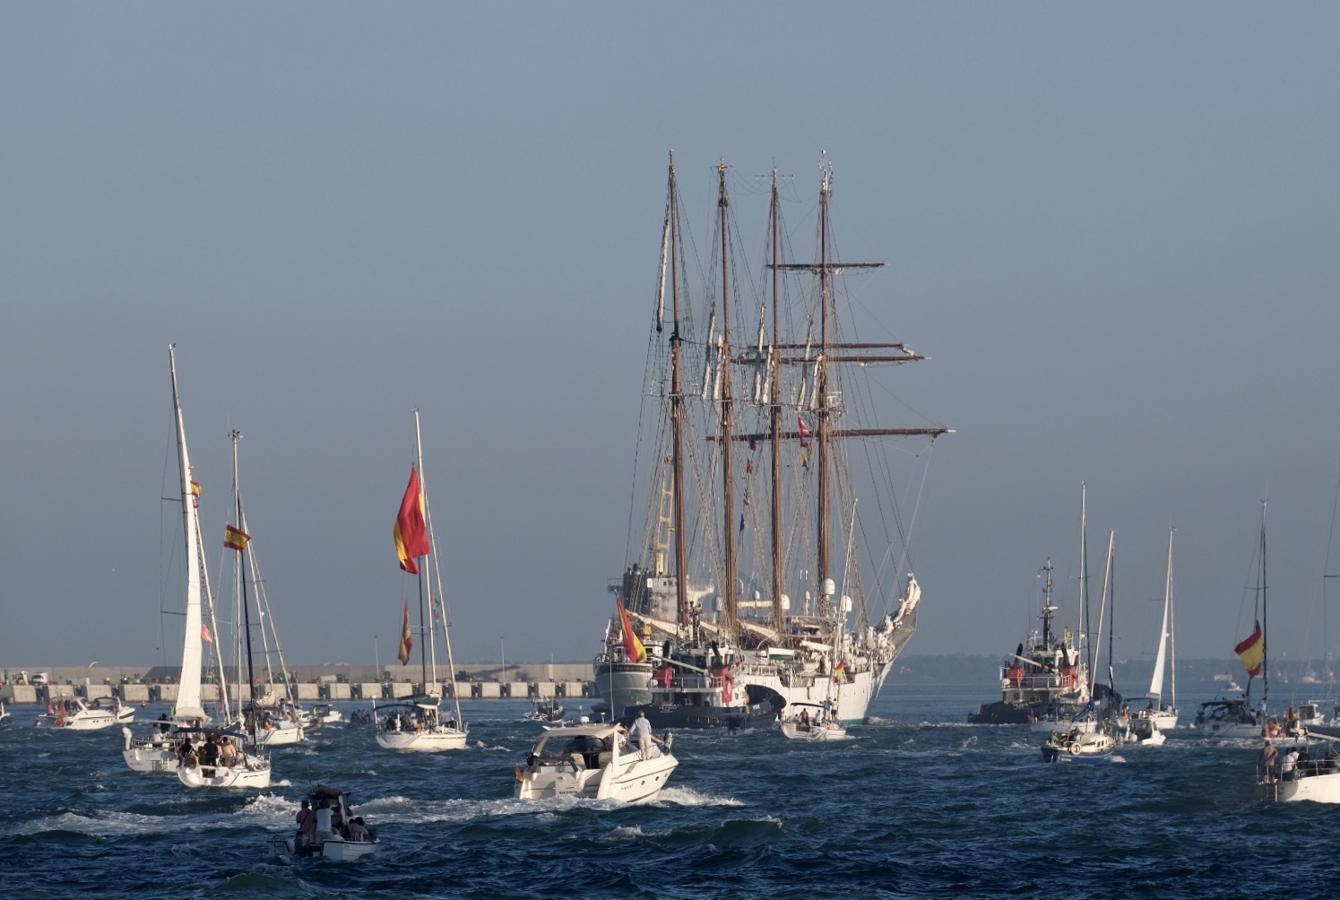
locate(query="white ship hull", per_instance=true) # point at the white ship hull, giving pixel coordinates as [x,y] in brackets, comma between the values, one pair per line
[627,779]
[422,741]
[1317,788]
[254,774]
[285,735]
[796,731]
[88,720]
[851,696]
[335,849]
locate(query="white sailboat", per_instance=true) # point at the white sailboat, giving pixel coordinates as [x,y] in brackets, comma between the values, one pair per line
[272,720]
[419,724]
[159,752]
[1164,716]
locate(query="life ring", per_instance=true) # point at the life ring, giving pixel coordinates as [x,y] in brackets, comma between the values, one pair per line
[1074,749]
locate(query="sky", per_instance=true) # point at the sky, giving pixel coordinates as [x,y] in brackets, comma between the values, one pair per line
[1112,229]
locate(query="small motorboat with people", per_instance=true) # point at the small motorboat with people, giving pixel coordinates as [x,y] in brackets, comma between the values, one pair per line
[418,725]
[547,710]
[321,714]
[218,758]
[73,714]
[1228,717]
[814,722]
[1079,745]
[1142,731]
[595,761]
[279,725]
[327,829]
[361,717]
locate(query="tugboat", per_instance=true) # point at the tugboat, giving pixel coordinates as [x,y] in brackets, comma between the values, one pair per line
[1046,679]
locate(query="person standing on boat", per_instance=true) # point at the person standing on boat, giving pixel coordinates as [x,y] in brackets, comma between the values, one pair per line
[1268,757]
[1289,766]
[641,732]
[306,823]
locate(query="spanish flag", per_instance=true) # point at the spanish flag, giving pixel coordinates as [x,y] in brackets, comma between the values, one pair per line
[411,532]
[406,639]
[235,538]
[840,671]
[631,644]
[1252,650]
[196,491]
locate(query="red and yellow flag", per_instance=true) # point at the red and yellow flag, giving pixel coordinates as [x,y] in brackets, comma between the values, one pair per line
[406,639]
[235,538]
[196,491]
[411,531]
[631,644]
[1252,650]
[205,634]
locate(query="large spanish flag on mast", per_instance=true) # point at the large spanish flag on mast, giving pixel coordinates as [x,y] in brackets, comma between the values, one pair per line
[631,644]
[1252,650]
[411,532]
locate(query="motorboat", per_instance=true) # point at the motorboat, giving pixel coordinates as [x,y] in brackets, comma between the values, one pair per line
[73,714]
[417,725]
[815,722]
[1079,745]
[1224,717]
[275,726]
[219,759]
[1142,731]
[1303,777]
[322,714]
[595,761]
[348,837]
[545,711]
[159,752]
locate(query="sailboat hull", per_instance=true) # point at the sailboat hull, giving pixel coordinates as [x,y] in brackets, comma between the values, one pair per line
[423,741]
[150,759]
[256,774]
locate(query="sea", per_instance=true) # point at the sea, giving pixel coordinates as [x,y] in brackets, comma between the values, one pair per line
[917,803]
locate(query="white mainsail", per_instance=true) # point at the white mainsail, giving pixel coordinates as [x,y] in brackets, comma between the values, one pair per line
[188,707]
[1156,680]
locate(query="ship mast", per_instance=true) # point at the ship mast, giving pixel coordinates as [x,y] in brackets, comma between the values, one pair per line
[727,471]
[775,404]
[677,407]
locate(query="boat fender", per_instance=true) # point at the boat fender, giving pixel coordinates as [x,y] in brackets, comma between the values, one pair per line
[1074,749]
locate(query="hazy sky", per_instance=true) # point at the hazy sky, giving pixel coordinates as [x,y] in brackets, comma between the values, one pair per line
[1113,229]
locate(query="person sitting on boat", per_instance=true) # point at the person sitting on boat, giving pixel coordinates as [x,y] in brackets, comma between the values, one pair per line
[358,830]
[1289,768]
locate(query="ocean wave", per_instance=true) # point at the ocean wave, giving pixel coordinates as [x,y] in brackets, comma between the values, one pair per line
[684,796]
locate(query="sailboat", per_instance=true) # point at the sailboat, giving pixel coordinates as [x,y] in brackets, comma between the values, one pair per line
[272,721]
[231,757]
[1164,716]
[730,642]
[1235,716]
[418,724]
[160,751]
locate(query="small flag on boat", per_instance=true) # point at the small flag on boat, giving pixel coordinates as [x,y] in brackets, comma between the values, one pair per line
[196,491]
[205,635]
[406,639]
[235,538]
[804,433]
[631,644]
[1252,650]
[840,671]
[411,532]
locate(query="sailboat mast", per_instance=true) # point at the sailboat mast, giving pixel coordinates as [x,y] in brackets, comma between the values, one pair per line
[1172,622]
[242,581]
[427,637]
[1265,615]
[441,594]
[1084,619]
[727,449]
[821,382]
[1112,624]
[775,405]
[677,411]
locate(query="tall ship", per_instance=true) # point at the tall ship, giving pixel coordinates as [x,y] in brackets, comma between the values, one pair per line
[751,495]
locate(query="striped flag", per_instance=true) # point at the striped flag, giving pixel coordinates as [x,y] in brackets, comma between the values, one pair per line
[235,538]
[1252,650]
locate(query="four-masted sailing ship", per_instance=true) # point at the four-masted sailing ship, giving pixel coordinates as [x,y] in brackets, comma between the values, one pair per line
[706,633]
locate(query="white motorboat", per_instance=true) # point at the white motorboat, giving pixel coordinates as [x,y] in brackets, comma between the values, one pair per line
[322,714]
[417,725]
[73,714]
[1228,717]
[544,711]
[594,761]
[348,837]
[274,726]
[218,759]
[1141,731]
[1079,745]
[1302,777]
